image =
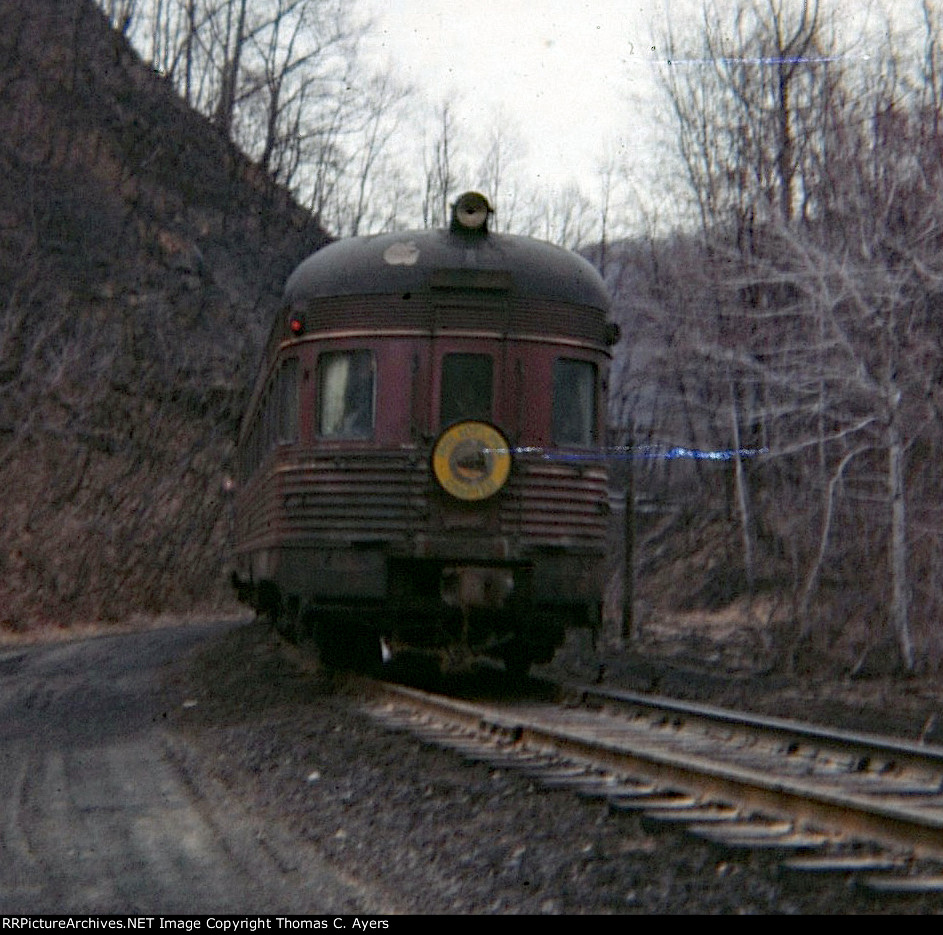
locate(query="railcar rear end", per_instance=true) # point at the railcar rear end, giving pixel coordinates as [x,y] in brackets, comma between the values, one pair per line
[419,458]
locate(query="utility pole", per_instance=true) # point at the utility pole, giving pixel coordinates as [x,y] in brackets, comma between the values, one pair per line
[628,532]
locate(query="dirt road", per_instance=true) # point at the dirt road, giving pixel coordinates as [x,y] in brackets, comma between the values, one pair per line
[101,810]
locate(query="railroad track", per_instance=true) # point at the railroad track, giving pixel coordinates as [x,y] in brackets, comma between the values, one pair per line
[821,801]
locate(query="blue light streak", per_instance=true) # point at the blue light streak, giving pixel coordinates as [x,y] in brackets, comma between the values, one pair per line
[639,452]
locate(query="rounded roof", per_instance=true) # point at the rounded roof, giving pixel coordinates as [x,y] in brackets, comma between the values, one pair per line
[414,261]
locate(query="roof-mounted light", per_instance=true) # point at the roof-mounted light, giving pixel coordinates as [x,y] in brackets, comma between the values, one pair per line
[470,213]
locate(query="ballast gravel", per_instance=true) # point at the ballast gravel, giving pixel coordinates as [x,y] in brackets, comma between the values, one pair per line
[433,833]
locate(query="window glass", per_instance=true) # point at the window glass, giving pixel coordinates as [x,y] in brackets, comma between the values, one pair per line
[574,402]
[466,388]
[268,423]
[346,394]
[288,401]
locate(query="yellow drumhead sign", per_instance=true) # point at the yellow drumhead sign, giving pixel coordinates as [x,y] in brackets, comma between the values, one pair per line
[471,460]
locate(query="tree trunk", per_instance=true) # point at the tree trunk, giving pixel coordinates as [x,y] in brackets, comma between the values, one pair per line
[899,609]
[230,78]
[743,500]
[628,572]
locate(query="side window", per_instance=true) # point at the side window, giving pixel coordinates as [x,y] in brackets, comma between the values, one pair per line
[574,402]
[268,423]
[467,381]
[346,394]
[288,401]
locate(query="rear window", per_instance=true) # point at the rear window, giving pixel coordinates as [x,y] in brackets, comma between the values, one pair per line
[467,381]
[346,394]
[574,402]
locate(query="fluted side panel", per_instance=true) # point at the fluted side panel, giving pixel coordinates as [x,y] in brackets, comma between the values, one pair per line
[381,497]
[555,504]
[349,498]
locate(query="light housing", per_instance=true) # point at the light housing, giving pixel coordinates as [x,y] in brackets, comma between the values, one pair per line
[470,213]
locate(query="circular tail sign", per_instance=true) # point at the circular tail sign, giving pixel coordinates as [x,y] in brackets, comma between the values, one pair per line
[471,460]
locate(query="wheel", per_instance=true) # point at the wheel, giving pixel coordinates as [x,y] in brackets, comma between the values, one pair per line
[518,659]
[268,604]
[343,643]
[288,622]
[328,642]
[368,654]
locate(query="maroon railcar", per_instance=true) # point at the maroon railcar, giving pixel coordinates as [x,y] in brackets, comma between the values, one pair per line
[419,459]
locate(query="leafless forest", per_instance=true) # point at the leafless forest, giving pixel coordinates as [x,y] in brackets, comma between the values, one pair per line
[783,304]
[800,317]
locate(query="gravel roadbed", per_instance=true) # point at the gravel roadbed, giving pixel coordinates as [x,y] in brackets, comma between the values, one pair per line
[432,833]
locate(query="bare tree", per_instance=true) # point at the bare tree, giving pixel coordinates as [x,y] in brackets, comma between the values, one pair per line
[440,177]
[816,188]
[120,13]
[301,49]
[283,80]
[372,189]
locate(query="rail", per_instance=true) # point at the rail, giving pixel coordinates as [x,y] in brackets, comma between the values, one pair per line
[827,801]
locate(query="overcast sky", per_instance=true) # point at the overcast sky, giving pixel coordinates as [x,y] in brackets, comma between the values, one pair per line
[563,71]
[576,77]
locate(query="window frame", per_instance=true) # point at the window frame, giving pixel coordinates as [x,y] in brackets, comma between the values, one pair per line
[288,405]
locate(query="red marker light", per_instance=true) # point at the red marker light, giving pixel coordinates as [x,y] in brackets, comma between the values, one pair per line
[296,325]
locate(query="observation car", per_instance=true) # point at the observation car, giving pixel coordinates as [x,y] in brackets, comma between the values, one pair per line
[419,460]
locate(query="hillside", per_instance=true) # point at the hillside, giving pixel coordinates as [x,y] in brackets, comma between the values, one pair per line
[141,259]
